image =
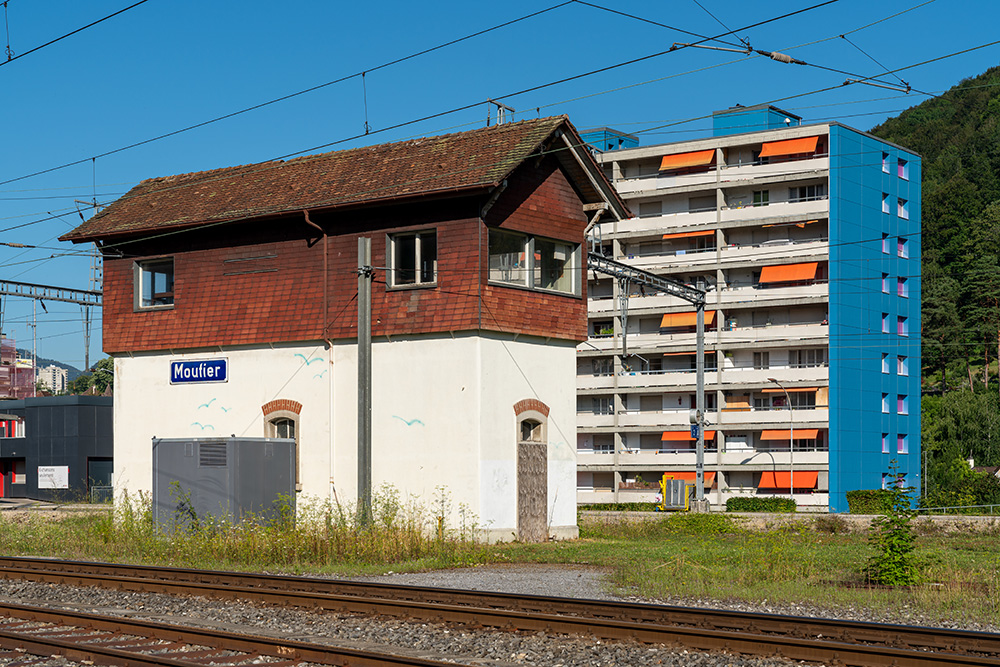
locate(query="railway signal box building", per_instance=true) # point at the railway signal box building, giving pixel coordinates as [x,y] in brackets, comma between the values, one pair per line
[230,308]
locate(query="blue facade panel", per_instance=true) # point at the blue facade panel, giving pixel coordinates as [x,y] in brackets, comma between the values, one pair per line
[607,139]
[874,313]
[751,119]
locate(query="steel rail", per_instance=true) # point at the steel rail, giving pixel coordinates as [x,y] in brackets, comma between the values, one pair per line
[106,649]
[795,637]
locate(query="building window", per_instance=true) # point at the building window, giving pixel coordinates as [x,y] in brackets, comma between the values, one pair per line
[154,283]
[902,404]
[885,362]
[902,248]
[885,403]
[901,327]
[808,358]
[533,262]
[885,244]
[885,162]
[902,446]
[885,322]
[603,366]
[281,420]
[761,360]
[602,405]
[902,367]
[19,476]
[901,288]
[885,203]
[761,197]
[531,431]
[903,209]
[902,169]
[885,283]
[885,443]
[807,192]
[413,259]
[11,427]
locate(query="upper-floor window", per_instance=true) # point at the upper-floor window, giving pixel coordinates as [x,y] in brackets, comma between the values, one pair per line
[885,362]
[761,360]
[885,322]
[903,209]
[902,404]
[902,446]
[885,443]
[885,203]
[885,162]
[885,283]
[603,366]
[902,367]
[901,327]
[901,288]
[885,243]
[808,358]
[413,259]
[902,169]
[901,248]
[885,403]
[807,192]
[534,262]
[154,283]
[761,197]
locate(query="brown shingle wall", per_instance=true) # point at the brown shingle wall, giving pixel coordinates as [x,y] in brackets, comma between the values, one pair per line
[540,202]
[284,302]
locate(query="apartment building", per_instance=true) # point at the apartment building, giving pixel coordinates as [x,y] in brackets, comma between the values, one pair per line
[807,238]
[54,377]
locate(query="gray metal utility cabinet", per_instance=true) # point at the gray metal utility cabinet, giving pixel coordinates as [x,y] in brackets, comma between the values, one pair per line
[226,479]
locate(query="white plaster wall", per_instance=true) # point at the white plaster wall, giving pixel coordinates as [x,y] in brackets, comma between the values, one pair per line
[442,418]
[424,414]
[147,406]
[514,370]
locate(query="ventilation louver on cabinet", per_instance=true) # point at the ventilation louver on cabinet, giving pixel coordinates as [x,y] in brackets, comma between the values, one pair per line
[212,455]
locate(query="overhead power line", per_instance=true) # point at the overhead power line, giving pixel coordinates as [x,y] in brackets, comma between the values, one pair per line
[414,121]
[12,58]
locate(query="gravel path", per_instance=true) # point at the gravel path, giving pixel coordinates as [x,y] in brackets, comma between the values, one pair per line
[427,640]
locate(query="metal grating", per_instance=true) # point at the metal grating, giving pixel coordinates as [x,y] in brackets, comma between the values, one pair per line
[212,455]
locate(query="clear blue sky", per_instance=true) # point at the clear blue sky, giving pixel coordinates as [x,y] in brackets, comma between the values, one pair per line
[165,65]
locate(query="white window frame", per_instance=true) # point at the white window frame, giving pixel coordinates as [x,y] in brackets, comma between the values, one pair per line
[885,403]
[885,203]
[902,169]
[142,272]
[528,250]
[271,420]
[885,362]
[419,235]
[885,162]
[902,209]
[902,444]
[902,366]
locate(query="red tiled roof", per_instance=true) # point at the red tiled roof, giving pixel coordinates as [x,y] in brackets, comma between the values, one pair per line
[478,159]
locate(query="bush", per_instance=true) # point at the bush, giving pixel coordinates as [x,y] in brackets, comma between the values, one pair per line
[891,539]
[757,504]
[869,501]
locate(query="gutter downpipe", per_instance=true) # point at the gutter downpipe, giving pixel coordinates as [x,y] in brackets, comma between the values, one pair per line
[329,343]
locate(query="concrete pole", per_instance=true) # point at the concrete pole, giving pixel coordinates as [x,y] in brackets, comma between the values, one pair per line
[791,440]
[364,380]
[700,397]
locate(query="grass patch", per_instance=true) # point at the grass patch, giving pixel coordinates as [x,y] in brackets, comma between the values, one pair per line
[677,557]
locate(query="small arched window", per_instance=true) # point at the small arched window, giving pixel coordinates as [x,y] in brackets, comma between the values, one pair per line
[281,420]
[531,430]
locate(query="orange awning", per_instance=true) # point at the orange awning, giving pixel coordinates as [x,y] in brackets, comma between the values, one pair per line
[800,434]
[684,160]
[781,479]
[789,273]
[692,477]
[790,390]
[800,225]
[685,319]
[688,235]
[788,147]
[683,436]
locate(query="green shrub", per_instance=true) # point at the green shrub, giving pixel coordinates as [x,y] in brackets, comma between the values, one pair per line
[891,539]
[760,504]
[869,501]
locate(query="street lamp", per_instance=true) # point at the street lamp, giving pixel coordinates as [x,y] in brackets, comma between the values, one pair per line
[791,440]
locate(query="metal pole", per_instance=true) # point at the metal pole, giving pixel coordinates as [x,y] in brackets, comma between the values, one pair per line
[700,395]
[791,441]
[365,272]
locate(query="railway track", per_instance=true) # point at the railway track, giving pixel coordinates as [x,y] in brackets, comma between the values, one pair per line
[799,638]
[92,638]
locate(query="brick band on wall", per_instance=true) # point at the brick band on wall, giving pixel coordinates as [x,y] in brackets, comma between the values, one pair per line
[284,404]
[531,404]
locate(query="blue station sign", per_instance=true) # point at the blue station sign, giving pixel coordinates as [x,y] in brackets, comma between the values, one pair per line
[202,370]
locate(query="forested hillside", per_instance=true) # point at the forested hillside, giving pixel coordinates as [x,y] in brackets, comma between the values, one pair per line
[958,136]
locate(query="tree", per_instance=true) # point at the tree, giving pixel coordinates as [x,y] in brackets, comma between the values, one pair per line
[101,377]
[892,540]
